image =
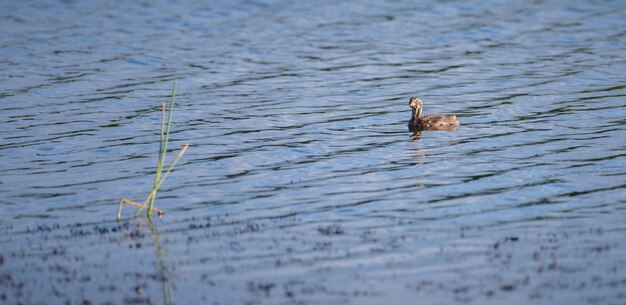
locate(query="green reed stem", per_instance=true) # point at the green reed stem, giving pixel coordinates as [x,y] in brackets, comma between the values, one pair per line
[159,167]
[162,145]
[159,177]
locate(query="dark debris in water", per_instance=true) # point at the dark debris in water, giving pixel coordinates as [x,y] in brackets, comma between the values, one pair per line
[263,288]
[218,252]
[333,229]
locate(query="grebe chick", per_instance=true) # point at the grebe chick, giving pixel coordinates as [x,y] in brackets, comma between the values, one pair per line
[421,122]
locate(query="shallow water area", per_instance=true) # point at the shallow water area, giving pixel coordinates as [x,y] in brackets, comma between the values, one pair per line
[302,184]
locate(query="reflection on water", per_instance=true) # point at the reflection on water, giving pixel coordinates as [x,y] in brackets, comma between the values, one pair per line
[164,273]
[159,272]
[302,186]
[417,133]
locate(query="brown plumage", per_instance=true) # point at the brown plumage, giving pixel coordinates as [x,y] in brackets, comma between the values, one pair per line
[421,122]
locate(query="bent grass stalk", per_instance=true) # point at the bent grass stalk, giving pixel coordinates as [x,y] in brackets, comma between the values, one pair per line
[159,177]
[156,187]
[134,203]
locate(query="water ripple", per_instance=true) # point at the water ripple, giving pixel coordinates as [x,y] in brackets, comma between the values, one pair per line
[302,184]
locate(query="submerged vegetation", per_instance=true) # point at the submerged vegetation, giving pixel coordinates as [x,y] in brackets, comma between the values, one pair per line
[160,176]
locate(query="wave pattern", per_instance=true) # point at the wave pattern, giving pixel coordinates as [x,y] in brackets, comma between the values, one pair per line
[302,184]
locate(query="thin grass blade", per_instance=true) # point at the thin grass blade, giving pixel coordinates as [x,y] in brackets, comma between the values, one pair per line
[163,145]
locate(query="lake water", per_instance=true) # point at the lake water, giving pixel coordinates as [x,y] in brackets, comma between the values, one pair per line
[302,184]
